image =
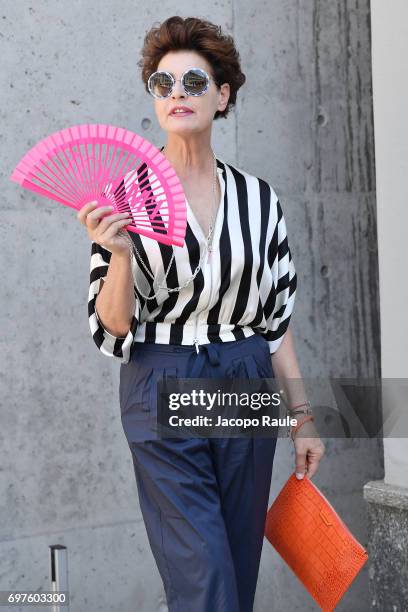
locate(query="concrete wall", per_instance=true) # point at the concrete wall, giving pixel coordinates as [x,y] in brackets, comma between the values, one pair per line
[304,123]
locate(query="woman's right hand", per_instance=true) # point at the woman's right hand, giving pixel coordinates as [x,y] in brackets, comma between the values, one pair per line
[103,227]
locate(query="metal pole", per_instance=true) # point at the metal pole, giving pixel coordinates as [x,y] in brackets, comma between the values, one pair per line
[59,574]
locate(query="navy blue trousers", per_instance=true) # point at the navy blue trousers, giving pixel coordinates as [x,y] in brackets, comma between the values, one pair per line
[203,500]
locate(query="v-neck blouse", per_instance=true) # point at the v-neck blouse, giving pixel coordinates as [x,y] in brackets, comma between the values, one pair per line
[246,286]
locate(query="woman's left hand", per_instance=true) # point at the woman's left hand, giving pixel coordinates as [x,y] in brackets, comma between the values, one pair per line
[309,450]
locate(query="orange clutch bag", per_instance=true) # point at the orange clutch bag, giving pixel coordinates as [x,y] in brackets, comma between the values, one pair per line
[310,536]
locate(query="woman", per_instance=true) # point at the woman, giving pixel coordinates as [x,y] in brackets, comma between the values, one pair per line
[222,311]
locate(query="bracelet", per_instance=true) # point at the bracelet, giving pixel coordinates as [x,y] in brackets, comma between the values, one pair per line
[290,428]
[294,429]
[306,403]
[301,411]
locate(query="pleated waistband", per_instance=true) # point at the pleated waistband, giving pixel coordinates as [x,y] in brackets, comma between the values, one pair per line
[212,353]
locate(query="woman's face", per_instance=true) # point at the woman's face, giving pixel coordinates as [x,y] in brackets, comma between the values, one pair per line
[203,107]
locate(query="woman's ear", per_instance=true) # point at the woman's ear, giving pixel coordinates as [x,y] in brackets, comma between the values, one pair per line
[224,95]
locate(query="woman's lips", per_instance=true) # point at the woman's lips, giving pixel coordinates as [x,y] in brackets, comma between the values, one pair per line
[181,114]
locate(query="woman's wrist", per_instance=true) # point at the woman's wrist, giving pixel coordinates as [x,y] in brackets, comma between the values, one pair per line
[121,255]
[298,408]
[301,413]
[294,429]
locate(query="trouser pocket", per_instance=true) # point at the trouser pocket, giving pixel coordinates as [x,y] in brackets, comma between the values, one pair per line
[138,387]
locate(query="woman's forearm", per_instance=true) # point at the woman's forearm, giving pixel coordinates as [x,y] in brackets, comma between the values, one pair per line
[115,303]
[285,366]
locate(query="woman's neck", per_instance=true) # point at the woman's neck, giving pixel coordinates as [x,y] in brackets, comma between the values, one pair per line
[189,158]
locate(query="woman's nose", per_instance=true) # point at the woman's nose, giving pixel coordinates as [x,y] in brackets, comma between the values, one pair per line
[178,90]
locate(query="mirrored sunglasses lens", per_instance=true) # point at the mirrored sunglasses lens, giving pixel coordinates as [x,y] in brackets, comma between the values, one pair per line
[195,82]
[161,84]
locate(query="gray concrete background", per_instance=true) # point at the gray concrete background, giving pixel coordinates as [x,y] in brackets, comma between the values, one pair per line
[304,123]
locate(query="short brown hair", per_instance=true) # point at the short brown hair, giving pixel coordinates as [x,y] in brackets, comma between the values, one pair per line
[204,37]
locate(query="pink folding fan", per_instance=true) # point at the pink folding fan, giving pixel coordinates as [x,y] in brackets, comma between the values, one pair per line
[113,166]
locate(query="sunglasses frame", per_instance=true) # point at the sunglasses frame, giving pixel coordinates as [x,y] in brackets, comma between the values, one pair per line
[174,81]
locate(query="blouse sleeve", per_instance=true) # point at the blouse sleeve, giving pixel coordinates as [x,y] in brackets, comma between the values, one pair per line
[284,281]
[112,346]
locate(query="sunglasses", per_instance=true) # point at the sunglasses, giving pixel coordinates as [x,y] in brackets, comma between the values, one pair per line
[194,81]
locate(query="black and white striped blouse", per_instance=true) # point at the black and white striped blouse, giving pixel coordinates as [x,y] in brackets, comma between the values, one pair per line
[247,285]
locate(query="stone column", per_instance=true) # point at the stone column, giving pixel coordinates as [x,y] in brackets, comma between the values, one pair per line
[387,500]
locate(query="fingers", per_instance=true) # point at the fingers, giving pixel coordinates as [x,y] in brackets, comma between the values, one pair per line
[83,212]
[110,229]
[313,464]
[308,455]
[314,456]
[300,464]
[110,223]
[91,212]
[100,216]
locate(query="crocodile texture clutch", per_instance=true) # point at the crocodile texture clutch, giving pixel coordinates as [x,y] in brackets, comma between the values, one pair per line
[312,539]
